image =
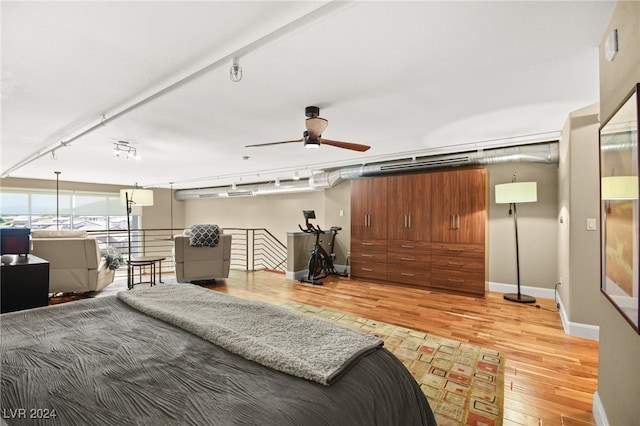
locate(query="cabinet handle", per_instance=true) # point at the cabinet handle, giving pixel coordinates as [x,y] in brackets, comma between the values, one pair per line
[365,220]
[456,263]
[367,269]
[455,281]
[457,221]
[369,220]
[404,246]
[367,244]
[366,255]
[405,220]
[455,249]
[407,258]
[406,274]
[409,222]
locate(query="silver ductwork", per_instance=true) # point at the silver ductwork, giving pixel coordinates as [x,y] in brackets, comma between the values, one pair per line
[546,153]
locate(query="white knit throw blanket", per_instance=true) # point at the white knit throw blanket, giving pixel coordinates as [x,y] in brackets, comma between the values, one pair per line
[272,336]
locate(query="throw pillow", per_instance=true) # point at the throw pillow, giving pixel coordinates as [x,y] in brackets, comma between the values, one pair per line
[204,236]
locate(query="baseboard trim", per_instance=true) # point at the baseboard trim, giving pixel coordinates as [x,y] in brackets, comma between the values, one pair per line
[546,293]
[575,329]
[599,414]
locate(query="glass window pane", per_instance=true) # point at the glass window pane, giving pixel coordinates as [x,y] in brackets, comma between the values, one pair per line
[13,203]
[91,205]
[45,203]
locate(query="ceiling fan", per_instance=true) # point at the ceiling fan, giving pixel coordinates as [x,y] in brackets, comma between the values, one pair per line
[312,137]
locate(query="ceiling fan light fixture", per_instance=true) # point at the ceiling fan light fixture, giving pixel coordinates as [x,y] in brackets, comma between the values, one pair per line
[312,144]
[316,125]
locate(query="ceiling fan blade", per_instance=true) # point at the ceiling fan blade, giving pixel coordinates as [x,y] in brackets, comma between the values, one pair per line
[273,143]
[345,145]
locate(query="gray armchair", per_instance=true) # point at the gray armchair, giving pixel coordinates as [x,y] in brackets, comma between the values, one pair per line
[74,261]
[201,263]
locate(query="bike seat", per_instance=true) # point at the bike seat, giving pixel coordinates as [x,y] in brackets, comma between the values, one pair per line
[336,228]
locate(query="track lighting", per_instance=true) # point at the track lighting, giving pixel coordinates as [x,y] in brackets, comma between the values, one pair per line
[235,72]
[123,147]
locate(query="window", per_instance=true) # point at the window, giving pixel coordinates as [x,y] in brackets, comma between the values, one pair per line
[41,209]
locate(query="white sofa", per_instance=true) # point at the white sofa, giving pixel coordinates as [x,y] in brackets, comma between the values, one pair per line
[201,263]
[75,264]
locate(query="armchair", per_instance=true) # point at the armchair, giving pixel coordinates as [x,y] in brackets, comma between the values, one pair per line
[75,264]
[201,263]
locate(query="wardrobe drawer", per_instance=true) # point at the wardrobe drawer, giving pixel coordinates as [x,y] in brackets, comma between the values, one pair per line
[456,281]
[416,276]
[369,245]
[368,256]
[469,265]
[458,250]
[409,253]
[368,269]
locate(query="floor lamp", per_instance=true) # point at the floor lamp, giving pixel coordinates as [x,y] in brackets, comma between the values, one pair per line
[513,193]
[130,197]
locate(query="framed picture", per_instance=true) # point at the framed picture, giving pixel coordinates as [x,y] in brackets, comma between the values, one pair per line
[620,214]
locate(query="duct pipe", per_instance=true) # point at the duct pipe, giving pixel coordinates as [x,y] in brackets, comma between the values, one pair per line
[545,153]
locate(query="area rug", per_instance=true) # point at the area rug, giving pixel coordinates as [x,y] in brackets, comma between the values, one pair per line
[464,383]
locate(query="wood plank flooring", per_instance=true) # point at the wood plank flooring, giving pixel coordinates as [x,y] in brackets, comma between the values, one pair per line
[550,378]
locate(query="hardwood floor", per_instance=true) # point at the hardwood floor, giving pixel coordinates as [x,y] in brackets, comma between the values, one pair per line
[550,378]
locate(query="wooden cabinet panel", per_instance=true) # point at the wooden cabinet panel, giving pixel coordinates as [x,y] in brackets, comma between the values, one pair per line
[423,229]
[459,268]
[459,206]
[369,259]
[369,208]
[408,209]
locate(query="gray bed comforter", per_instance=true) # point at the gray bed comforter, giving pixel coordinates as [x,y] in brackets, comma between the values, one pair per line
[100,362]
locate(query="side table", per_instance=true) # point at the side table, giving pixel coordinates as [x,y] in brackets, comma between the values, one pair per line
[24,282]
[142,261]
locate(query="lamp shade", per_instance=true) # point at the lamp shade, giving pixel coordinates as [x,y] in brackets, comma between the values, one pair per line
[516,192]
[137,196]
[619,188]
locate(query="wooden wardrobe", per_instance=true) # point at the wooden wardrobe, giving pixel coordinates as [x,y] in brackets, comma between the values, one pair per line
[426,229]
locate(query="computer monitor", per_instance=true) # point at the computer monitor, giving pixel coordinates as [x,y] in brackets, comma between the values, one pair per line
[309,214]
[14,241]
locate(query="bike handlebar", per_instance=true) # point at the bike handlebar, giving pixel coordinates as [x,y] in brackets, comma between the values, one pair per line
[317,230]
[311,229]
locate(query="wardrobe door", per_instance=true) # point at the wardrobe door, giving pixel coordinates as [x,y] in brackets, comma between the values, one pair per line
[459,206]
[408,209]
[369,208]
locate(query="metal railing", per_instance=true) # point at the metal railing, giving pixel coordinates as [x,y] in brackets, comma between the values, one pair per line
[251,248]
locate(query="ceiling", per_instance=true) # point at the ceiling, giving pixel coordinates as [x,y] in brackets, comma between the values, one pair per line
[407,78]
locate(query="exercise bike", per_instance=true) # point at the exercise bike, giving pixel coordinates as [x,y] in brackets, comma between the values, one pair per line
[320,262]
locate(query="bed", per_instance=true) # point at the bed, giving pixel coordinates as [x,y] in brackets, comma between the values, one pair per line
[105,361]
